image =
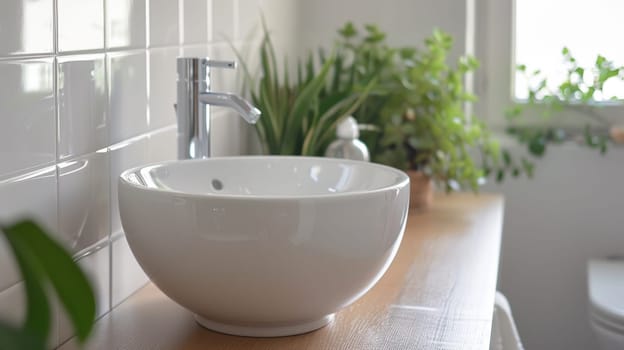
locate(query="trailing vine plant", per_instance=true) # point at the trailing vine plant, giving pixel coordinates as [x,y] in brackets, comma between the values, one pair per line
[582,90]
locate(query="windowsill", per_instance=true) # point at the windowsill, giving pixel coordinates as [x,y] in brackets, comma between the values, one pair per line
[572,142]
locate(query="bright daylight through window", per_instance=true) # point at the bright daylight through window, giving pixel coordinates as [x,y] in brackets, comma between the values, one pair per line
[587,28]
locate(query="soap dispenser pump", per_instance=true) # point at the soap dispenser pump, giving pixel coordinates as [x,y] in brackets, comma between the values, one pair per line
[347,145]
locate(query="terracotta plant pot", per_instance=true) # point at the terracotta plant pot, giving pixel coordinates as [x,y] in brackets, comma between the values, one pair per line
[421,190]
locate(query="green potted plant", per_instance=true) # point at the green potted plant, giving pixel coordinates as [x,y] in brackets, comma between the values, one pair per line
[411,101]
[418,108]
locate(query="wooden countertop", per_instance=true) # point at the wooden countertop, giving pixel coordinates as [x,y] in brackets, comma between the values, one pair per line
[437,294]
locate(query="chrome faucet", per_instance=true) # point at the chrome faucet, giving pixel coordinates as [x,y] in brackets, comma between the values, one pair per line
[192,108]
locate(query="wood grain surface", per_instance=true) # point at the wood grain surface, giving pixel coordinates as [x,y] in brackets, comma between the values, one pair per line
[437,294]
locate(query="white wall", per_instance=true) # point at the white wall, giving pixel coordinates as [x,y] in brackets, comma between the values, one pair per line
[407,22]
[89,93]
[571,211]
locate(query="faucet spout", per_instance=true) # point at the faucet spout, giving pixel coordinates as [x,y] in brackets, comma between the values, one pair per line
[250,113]
[193,101]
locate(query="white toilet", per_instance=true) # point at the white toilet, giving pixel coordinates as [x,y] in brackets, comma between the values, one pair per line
[606,302]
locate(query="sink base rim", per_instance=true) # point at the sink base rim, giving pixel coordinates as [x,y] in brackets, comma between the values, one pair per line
[264,331]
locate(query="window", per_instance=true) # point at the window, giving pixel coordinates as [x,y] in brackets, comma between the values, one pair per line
[533,33]
[544,27]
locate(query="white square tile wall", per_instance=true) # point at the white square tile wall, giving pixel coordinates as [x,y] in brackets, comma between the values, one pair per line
[82,104]
[195,28]
[84,200]
[80,25]
[127,275]
[125,23]
[127,88]
[162,87]
[124,156]
[28,121]
[89,93]
[224,13]
[27,27]
[163,23]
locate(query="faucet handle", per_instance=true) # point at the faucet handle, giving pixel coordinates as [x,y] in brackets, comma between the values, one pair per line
[220,64]
[198,68]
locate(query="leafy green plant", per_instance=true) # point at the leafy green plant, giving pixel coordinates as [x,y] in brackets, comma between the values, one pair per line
[363,58]
[411,99]
[582,90]
[45,267]
[299,117]
[417,106]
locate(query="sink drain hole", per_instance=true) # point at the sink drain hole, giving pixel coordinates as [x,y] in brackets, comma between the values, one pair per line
[217,185]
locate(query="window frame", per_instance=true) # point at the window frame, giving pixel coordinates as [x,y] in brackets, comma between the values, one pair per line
[494,81]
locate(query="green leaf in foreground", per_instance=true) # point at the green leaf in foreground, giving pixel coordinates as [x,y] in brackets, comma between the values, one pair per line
[42,261]
[37,320]
[12,338]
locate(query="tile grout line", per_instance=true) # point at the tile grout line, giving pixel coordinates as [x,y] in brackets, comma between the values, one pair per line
[236,19]
[75,53]
[147,16]
[112,51]
[148,80]
[108,154]
[209,21]
[55,44]
[181,22]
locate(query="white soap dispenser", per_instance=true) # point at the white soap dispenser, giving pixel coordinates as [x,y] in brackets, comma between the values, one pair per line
[348,146]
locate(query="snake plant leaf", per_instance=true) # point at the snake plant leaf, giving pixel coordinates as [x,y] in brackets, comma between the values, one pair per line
[42,260]
[271,126]
[303,101]
[335,111]
[351,104]
[299,117]
[338,69]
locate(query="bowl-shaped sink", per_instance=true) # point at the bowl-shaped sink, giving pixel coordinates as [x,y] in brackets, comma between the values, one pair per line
[264,246]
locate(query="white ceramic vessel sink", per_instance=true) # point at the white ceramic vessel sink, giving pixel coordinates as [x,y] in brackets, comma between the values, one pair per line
[264,246]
